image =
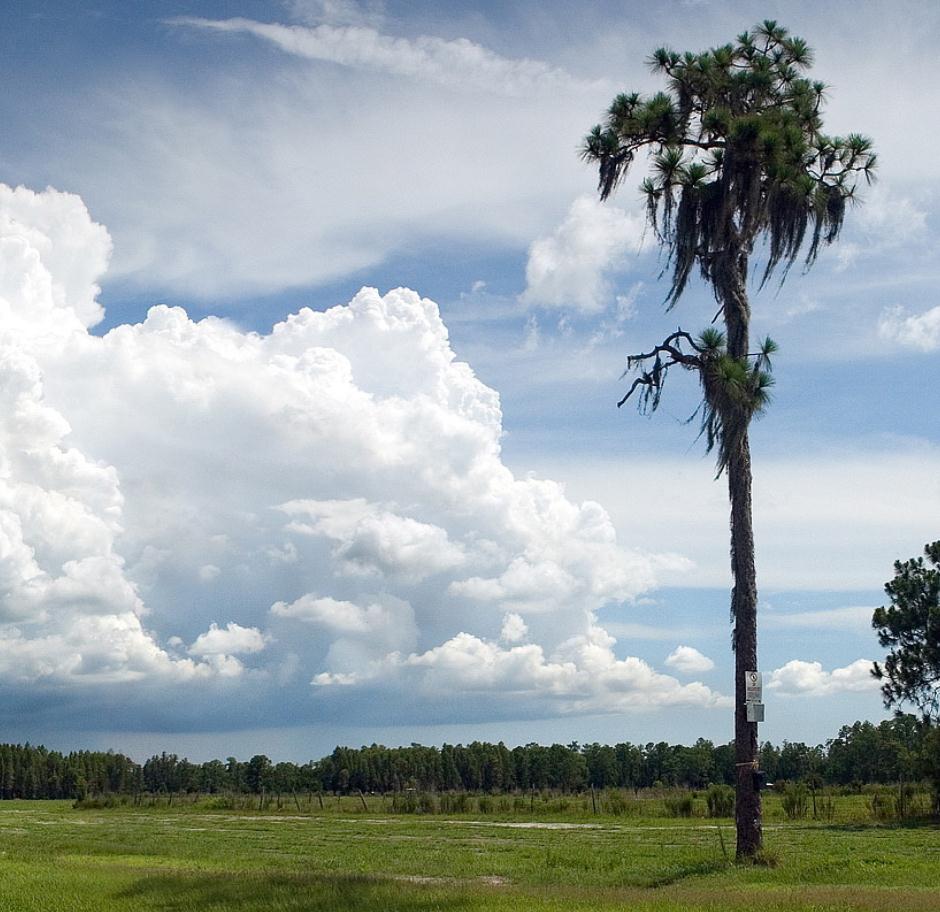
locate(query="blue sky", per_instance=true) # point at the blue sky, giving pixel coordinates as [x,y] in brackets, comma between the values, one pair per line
[229,529]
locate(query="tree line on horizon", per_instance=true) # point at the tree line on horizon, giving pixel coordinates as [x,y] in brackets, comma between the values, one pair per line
[899,749]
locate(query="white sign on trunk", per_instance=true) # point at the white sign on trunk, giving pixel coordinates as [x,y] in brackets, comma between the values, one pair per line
[755,712]
[752,686]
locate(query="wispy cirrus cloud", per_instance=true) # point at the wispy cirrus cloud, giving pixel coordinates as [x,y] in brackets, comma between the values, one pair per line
[279,187]
[459,64]
[338,12]
[848,618]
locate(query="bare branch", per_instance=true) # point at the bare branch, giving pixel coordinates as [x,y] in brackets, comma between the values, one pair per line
[651,381]
[643,380]
[668,345]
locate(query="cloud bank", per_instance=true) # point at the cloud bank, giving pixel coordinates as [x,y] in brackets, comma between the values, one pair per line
[322,509]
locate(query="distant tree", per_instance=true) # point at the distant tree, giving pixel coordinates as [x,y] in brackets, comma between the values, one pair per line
[629,765]
[235,773]
[450,777]
[738,156]
[797,760]
[770,761]
[661,763]
[724,764]
[259,773]
[213,777]
[601,763]
[910,629]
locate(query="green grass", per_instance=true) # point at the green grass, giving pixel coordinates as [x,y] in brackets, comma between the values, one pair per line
[184,858]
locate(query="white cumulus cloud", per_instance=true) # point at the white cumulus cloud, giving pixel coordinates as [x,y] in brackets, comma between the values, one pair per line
[339,479]
[232,639]
[514,628]
[571,267]
[918,331]
[688,660]
[372,540]
[798,677]
[581,675]
[68,609]
[59,267]
[337,615]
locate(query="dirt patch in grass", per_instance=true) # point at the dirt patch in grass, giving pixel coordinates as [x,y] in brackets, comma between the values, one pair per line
[487,880]
[535,825]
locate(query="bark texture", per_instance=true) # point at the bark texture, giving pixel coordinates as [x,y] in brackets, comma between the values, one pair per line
[732,290]
[744,609]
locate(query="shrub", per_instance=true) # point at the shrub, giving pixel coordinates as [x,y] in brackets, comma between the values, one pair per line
[767,858]
[454,803]
[617,804]
[219,803]
[678,806]
[909,803]
[794,801]
[101,801]
[881,805]
[555,805]
[404,803]
[930,763]
[905,801]
[719,801]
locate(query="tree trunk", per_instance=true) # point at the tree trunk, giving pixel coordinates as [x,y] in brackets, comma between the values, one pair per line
[731,287]
[744,611]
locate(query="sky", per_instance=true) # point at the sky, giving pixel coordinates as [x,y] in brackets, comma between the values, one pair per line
[311,337]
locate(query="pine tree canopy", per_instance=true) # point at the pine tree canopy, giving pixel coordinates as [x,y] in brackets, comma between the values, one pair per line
[737,152]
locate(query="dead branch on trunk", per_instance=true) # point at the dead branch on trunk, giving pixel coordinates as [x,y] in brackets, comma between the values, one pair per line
[667,354]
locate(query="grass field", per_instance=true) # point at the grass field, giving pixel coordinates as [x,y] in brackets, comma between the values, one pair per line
[57,859]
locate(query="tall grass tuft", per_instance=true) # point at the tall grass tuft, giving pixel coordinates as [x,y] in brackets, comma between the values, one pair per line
[827,806]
